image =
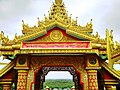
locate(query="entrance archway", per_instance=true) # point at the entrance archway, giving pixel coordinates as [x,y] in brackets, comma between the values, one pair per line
[40,75]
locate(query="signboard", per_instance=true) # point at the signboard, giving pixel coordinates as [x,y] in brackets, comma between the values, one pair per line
[56,45]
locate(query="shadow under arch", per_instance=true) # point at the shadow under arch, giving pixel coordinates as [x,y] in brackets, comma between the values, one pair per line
[42,71]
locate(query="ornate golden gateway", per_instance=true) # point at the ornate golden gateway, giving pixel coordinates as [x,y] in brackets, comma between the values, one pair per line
[59,35]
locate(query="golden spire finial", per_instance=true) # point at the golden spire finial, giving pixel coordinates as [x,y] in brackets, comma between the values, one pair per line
[58,1]
[23,22]
[38,20]
[91,21]
[76,18]
[107,32]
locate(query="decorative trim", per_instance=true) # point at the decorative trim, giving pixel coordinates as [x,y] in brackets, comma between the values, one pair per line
[111,70]
[93,68]
[7,68]
[56,35]
[21,67]
[111,81]
[6,81]
[22,80]
[47,51]
[57,45]
[92,80]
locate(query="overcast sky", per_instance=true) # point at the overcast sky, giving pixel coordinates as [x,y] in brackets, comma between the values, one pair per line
[60,74]
[105,14]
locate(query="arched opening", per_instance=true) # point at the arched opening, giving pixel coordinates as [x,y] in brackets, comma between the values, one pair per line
[43,71]
[58,80]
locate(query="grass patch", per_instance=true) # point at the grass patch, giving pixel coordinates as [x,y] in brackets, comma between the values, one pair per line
[58,83]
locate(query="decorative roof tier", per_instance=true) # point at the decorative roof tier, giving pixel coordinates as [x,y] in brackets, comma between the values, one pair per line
[58,16]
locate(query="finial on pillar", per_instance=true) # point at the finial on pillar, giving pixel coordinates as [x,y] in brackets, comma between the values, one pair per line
[58,1]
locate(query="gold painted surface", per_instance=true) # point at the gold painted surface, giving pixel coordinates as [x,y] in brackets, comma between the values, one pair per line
[21,59]
[58,51]
[7,68]
[6,81]
[92,80]
[77,61]
[92,62]
[30,78]
[59,16]
[56,35]
[58,1]
[22,80]
[7,87]
[111,70]
[49,39]
[85,80]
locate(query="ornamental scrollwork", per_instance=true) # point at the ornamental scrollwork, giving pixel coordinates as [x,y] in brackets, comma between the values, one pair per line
[77,61]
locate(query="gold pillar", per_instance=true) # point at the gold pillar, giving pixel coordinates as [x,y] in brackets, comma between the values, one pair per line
[92,80]
[22,80]
[7,87]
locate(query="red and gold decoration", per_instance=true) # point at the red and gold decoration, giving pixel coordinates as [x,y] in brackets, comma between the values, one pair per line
[22,80]
[60,42]
[6,87]
[57,45]
[56,35]
[92,80]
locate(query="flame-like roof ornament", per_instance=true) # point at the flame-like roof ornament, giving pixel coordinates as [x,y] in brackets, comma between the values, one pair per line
[58,1]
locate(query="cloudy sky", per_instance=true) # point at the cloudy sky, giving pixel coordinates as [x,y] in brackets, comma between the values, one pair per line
[59,75]
[105,14]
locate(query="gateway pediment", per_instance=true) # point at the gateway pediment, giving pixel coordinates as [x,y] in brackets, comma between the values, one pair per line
[55,34]
[56,38]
